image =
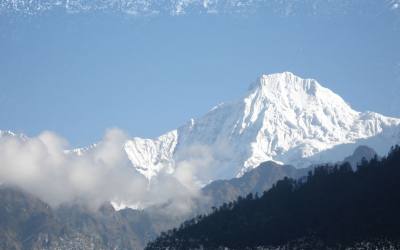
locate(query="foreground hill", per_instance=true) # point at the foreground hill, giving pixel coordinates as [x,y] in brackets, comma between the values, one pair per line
[334,206]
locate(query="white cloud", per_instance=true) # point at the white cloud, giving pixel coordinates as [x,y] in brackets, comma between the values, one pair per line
[40,166]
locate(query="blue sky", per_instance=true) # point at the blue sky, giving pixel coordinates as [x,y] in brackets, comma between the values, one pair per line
[80,72]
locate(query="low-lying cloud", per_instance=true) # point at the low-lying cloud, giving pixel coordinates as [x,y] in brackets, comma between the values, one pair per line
[43,166]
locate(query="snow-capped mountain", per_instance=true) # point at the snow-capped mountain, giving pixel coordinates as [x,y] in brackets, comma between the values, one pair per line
[282,118]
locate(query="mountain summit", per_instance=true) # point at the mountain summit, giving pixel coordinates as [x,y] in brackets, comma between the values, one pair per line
[282,118]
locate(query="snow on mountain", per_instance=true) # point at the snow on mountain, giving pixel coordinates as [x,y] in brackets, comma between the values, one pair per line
[8,133]
[151,156]
[282,118]
[182,7]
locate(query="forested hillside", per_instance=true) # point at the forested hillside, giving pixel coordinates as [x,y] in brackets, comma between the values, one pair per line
[334,206]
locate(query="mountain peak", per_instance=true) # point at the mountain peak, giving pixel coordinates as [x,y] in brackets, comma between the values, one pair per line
[289,92]
[284,75]
[285,82]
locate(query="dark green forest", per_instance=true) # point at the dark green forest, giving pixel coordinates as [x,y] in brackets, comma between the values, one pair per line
[332,206]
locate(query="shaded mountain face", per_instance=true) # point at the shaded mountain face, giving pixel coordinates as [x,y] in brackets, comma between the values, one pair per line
[361,153]
[263,177]
[255,181]
[282,118]
[28,223]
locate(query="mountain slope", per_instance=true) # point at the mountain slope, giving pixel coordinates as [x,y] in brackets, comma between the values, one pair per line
[263,177]
[361,153]
[282,118]
[334,208]
[255,181]
[26,222]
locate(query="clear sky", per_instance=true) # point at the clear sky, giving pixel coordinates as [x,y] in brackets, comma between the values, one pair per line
[78,72]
